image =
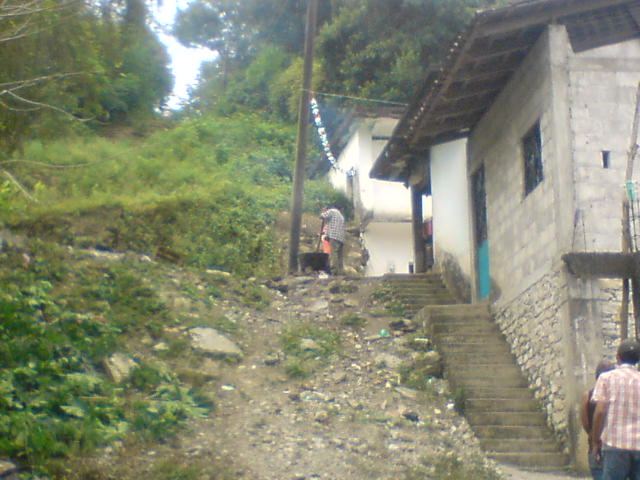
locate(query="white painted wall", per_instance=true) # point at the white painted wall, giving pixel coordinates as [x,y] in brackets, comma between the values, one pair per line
[384,200]
[450,203]
[386,206]
[389,246]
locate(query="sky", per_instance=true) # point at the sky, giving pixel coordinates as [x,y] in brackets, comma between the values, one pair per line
[185,62]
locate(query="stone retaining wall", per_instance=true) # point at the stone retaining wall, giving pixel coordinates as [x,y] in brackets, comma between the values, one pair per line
[531,322]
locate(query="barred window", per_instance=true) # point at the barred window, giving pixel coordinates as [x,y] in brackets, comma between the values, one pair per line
[532,152]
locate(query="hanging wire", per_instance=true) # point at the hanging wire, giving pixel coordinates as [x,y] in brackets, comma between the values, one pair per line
[324,139]
[359,99]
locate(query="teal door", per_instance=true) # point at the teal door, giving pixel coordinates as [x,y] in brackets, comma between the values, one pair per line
[484,277]
[481,240]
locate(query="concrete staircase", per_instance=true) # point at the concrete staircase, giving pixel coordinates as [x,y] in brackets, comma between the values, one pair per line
[496,398]
[495,395]
[418,290]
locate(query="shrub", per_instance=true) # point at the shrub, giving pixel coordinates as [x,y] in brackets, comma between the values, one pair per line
[306,348]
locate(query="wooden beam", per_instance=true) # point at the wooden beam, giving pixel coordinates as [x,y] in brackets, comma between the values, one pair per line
[491,67]
[601,264]
[465,104]
[461,89]
[436,126]
[506,44]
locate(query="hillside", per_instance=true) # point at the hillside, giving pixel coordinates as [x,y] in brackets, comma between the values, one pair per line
[318,391]
[324,387]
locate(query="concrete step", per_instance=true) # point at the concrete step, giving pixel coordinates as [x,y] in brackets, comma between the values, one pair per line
[427,296]
[506,376]
[477,418]
[461,322]
[519,445]
[471,382]
[423,292]
[473,348]
[423,302]
[466,328]
[469,336]
[403,278]
[484,392]
[459,310]
[505,432]
[542,461]
[501,404]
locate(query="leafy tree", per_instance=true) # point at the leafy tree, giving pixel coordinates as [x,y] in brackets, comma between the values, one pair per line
[384,48]
[374,48]
[64,61]
[217,25]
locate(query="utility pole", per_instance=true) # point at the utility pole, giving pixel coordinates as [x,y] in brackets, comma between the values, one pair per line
[303,124]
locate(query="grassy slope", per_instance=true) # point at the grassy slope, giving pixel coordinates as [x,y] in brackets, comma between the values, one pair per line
[204,195]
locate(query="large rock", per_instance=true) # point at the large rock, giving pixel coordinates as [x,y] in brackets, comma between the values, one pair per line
[388,360]
[8,471]
[118,367]
[210,341]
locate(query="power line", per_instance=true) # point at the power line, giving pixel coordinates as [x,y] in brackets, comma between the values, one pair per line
[360,99]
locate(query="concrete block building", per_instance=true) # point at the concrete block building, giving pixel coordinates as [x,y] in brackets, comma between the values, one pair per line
[527,129]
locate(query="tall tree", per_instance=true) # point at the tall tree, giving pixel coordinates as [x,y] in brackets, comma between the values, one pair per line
[374,48]
[68,60]
[383,48]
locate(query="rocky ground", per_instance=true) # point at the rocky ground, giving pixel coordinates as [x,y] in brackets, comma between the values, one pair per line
[352,418]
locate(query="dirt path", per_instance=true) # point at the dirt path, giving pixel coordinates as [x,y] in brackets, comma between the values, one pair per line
[352,420]
[511,473]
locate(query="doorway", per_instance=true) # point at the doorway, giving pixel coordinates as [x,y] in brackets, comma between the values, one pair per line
[479,201]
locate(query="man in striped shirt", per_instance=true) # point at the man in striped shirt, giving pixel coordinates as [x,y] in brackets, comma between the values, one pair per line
[616,421]
[333,220]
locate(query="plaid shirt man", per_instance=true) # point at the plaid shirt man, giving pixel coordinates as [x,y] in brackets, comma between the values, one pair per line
[619,389]
[334,222]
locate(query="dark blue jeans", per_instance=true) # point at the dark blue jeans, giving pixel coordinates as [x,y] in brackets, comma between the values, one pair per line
[620,464]
[595,467]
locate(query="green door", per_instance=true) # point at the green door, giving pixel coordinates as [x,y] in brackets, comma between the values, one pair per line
[481,240]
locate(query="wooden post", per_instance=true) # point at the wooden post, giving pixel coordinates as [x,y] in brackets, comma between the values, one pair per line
[626,232]
[419,254]
[303,126]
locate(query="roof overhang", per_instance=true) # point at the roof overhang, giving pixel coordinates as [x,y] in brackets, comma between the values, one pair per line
[481,62]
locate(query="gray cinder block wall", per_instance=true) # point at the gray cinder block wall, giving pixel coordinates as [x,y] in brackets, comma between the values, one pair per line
[558,326]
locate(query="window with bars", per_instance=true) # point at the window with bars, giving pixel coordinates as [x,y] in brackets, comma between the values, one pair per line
[532,152]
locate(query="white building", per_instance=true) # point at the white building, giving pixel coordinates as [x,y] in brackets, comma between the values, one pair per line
[382,209]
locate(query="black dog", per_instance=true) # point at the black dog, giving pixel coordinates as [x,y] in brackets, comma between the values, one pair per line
[316,261]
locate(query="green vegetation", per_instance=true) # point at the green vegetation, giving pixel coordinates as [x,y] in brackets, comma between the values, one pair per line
[205,194]
[307,348]
[386,296]
[60,319]
[353,320]
[80,67]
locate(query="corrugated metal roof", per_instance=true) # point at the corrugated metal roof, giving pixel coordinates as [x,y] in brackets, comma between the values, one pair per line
[481,62]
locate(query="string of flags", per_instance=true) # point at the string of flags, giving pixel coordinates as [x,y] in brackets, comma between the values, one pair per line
[324,140]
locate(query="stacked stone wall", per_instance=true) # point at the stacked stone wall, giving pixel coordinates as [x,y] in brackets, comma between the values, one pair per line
[454,278]
[610,301]
[532,324]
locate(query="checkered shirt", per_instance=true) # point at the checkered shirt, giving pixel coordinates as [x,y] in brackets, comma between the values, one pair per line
[334,221]
[620,389]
